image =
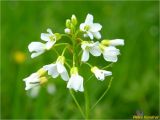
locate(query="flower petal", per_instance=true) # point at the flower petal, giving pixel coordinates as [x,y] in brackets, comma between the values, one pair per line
[95,51]
[45,36]
[60,67]
[97,35]
[36,46]
[82,26]
[33,55]
[64,75]
[52,70]
[107,73]
[89,19]
[90,35]
[96,27]
[76,82]
[49,44]
[85,56]
[116,42]
[110,54]
[50,31]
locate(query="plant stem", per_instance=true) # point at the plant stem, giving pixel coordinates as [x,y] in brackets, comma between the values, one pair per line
[75,100]
[109,85]
[86,104]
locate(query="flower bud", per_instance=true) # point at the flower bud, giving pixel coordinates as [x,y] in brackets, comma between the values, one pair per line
[74,20]
[68,23]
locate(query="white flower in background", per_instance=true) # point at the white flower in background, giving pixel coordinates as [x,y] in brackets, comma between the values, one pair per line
[57,69]
[51,89]
[91,29]
[114,42]
[100,74]
[37,48]
[90,47]
[49,37]
[76,81]
[110,53]
[34,92]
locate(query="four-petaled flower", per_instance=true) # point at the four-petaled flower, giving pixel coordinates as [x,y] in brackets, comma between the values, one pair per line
[91,29]
[49,37]
[76,81]
[100,74]
[90,47]
[57,69]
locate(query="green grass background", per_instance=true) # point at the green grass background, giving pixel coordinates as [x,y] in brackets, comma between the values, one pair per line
[135,84]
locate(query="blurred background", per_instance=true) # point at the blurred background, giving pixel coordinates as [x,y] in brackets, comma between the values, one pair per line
[135,87]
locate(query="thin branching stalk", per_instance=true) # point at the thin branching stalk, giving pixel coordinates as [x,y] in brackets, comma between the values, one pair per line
[109,85]
[75,100]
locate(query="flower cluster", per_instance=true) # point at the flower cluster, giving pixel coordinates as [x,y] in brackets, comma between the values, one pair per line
[83,36]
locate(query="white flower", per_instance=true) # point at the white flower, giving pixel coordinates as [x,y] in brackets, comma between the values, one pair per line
[57,69]
[91,29]
[33,80]
[90,47]
[100,74]
[37,48]
[76,81]
[49,37]
[51,88]
[110,53]
[33,93]
[114,42]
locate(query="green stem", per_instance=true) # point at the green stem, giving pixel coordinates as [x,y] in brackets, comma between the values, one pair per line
[56,52]
[86,104]
[75,100]
[109,85]
[64,50]
[59,44]
[110,65]
[88,64]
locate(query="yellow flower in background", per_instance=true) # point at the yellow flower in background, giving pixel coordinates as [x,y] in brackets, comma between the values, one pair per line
[19,57]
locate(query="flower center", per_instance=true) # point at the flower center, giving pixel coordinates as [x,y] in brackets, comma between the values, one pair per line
[87,27]
[52,37]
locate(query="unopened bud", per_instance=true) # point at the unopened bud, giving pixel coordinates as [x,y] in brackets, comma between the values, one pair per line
[68,23]
[74,20]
